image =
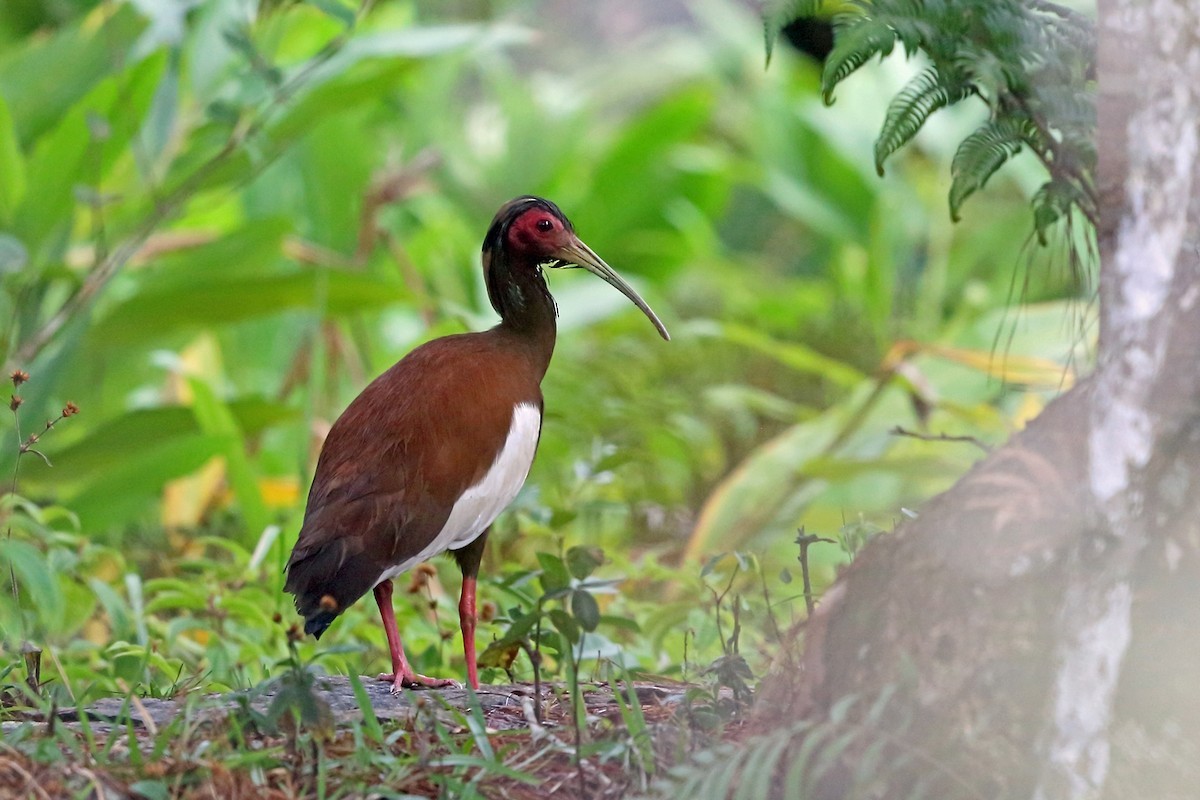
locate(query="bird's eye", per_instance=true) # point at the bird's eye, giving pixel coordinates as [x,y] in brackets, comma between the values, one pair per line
[544,225]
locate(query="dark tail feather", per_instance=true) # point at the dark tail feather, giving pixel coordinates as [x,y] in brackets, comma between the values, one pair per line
[317,623]
[326,581]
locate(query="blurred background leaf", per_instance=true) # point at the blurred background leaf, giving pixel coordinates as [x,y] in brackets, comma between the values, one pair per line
[218,222]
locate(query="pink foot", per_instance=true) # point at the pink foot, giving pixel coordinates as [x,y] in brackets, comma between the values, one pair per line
[412,680]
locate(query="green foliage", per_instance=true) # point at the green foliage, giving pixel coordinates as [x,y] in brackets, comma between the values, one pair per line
[984,152]
[924,94]
[567,606]
[778,13]
[213,234]
[1029,61]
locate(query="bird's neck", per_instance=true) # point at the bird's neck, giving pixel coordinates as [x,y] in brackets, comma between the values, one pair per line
[527,311]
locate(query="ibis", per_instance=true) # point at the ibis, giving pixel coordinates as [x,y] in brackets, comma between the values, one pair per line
[427,456]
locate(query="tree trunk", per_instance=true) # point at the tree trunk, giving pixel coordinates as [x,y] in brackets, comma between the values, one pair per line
[1037,629]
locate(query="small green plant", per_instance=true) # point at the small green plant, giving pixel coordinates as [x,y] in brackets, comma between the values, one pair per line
[730,670]
[31,566]
[854,535]
[559,618]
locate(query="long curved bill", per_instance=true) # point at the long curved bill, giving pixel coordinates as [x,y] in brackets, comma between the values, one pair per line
[577,254]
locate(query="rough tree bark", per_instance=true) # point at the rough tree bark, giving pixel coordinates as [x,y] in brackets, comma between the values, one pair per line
[1040,622]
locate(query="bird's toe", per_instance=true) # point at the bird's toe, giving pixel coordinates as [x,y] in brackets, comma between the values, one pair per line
[413,680]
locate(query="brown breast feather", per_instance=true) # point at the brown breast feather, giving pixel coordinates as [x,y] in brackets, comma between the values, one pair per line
[395,462]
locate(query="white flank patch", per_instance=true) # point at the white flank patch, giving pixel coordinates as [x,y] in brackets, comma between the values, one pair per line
[479,505]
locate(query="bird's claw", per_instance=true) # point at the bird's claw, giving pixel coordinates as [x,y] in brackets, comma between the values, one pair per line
[413,680]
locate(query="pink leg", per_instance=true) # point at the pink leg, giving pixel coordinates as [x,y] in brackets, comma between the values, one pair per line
[401,676]
[466,620]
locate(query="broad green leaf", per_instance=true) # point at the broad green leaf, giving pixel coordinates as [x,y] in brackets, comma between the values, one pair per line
[585,610]
[12,166]
[810,206]
[361,84]
[554,573]
[120,619]
[217,420]
[253,249]
[337,10]
[156,313]
[582,560]
[751,496]
[81,149]
[129,437]
[634,179]
[565,624]
[499,655]
[131,489]
[39,590]
[794,355]
[52,73]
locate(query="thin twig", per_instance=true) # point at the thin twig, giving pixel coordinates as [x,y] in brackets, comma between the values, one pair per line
[776,633]
[718,599]
[578,704]
[12,572]
[535,658]
[805,540]
[939,437]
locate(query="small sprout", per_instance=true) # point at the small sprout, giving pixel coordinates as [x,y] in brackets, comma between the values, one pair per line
[70,409]
[277,618]
[15,402]
[18,377]
[294,634]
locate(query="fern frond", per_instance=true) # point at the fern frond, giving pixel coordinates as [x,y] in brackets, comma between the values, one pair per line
[777,14]
[857,41]
[981,154]
[1031,61]
[908,111]
[916,22]
[746,772]
[1052,202]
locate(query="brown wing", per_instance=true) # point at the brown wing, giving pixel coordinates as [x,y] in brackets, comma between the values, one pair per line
[396,461]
